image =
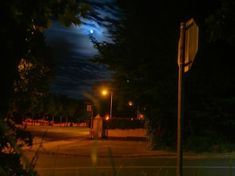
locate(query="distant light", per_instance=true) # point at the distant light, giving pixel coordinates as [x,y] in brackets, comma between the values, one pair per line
[140,116]
[104,92]
[130,103]
[91,31]
[107,117]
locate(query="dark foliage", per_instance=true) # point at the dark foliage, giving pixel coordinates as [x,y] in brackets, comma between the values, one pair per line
[144,60]
[26,64]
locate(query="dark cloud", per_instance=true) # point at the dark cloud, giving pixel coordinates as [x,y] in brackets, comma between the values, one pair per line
[73,48]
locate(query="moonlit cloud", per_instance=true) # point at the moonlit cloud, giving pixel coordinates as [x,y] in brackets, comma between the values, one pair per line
[73,48]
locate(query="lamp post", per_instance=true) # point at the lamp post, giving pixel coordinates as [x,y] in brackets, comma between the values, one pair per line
[131,104]
[105,92]
[111,105]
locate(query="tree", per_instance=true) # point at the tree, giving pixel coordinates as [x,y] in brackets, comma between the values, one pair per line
[71,109]
[25,63]
[210,84]
[22,33]
[221,23]
[143,60]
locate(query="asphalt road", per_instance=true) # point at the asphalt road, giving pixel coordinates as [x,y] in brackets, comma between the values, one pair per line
[71,152]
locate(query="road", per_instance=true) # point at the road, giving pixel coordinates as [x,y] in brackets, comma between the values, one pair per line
[66,152]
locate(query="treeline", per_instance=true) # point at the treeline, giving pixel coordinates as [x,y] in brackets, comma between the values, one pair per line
[143,58]
[56,108]
[27,68]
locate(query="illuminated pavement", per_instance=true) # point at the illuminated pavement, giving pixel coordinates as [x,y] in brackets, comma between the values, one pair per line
[77,141]
[71,152]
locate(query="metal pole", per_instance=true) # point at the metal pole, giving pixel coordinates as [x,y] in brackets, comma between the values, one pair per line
[92,118]
[179,168]
[137,112]
[111,104]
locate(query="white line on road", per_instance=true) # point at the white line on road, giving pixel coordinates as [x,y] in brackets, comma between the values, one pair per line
[136,167]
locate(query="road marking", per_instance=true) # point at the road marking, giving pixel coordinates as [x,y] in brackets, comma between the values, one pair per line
[135,167]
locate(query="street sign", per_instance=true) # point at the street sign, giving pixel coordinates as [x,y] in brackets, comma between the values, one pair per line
[187,49]
[190,44]
[89,108]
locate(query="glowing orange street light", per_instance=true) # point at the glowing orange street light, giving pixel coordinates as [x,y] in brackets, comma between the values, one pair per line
[107,117]
[105,92]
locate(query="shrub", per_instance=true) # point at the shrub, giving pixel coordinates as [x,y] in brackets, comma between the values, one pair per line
[12,138]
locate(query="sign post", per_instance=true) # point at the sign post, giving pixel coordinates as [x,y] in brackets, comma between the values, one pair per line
[89,108]
[187,49]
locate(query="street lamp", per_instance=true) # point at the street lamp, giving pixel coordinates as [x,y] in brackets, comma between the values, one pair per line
[131,104]
[105,92]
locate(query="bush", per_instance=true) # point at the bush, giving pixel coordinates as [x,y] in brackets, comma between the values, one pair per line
[12,138]
[198,144]
[208,144]
[10,164]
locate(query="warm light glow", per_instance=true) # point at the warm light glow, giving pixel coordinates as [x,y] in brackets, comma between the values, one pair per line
[130,103]
[107,117]
[104,92]
[140,116]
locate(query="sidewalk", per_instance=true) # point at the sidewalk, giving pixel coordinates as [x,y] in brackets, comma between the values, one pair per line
[119,147]
[119,143]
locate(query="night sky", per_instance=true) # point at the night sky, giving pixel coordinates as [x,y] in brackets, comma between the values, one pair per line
[72,48]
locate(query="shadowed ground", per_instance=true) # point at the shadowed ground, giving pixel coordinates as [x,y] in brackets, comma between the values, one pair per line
[69,151]
[77,141]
